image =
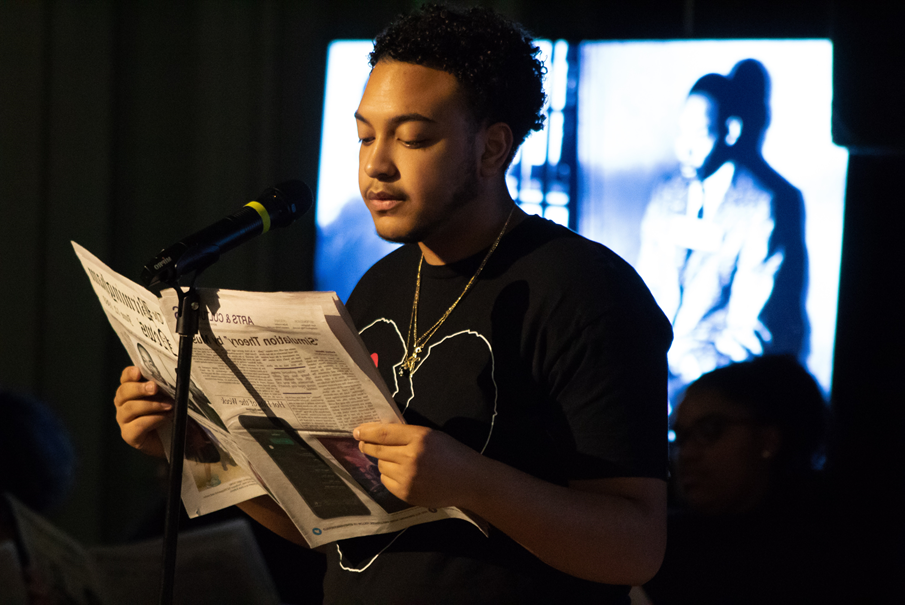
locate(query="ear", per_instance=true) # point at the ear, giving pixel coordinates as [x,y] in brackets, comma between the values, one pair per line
[497,145]
[733,130]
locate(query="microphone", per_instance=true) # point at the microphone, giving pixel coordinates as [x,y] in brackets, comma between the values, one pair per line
[277,206]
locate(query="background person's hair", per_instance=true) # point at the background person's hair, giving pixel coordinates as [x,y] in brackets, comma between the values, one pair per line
[38,459]
[743,94]
[777,391]
[751,89]
[492,58]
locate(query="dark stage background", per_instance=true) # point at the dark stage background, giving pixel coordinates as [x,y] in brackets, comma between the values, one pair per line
[126,125]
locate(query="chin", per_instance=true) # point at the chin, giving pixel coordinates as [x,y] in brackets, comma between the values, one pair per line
[389,228]
[394,231]
[397,236]
[403,239]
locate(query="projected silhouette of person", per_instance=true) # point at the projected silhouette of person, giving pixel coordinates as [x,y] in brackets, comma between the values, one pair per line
[722,239]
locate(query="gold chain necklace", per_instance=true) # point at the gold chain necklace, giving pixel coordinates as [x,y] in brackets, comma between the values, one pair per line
[418,343]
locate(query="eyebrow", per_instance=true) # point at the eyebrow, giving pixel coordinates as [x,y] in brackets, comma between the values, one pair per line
[397,120]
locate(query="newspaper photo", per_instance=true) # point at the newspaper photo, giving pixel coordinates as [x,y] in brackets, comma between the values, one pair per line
[278,383]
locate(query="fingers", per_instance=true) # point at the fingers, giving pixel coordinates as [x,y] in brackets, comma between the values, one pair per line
[131,374]
[135,390]
[397,478]
[389,469]
[133,409]
[397,488]
[380,452]
[388,434]
[141,433]
[141,408]
[391,441]
[416,464]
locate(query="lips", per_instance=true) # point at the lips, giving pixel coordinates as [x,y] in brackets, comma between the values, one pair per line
[384,200]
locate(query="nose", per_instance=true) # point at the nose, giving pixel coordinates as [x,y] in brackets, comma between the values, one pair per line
[377,161]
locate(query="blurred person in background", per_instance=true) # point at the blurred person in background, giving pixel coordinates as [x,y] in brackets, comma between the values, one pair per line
[39,462]
[38,563]
[756,526]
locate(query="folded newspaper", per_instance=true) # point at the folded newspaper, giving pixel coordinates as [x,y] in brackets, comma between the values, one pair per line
[279,381]
[216,564]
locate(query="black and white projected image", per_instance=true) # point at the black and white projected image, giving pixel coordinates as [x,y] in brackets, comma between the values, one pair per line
[722,238]
[709,167]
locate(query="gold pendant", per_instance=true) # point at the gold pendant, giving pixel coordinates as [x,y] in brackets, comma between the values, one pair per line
[409,364]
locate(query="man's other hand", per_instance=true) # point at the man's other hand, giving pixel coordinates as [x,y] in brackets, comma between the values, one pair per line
[421,466]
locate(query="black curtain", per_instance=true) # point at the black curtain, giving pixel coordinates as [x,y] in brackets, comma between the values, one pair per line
[125,126]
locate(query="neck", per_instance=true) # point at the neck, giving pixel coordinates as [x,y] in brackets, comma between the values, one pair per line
[472,229]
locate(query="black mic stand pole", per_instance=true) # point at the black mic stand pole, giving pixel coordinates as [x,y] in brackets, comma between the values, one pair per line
[187,328]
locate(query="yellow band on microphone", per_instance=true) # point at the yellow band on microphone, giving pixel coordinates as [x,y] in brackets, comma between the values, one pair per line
[265,216]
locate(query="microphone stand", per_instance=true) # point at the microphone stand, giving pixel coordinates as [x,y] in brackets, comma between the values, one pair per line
[288,201]
[187,328]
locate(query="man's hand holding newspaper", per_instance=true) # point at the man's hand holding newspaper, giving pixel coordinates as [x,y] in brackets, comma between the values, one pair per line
[279,381]
[141,409]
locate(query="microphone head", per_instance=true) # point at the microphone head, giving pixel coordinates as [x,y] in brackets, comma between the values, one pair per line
[286,202]
[283,203]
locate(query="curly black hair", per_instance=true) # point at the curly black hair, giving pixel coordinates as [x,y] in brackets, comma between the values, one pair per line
[492,58]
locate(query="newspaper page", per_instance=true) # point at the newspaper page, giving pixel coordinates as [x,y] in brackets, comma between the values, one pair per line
[60,570]
[279,381]
[12,574]
[289,377]
[217,564]
[211,478]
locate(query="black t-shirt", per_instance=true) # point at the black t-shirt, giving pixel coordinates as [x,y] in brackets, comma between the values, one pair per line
[554,363]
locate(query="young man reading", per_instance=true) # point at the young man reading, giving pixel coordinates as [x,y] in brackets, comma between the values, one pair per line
[529,363]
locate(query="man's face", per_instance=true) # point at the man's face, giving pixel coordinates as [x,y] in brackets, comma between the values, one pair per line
[418,164]
[696,138]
